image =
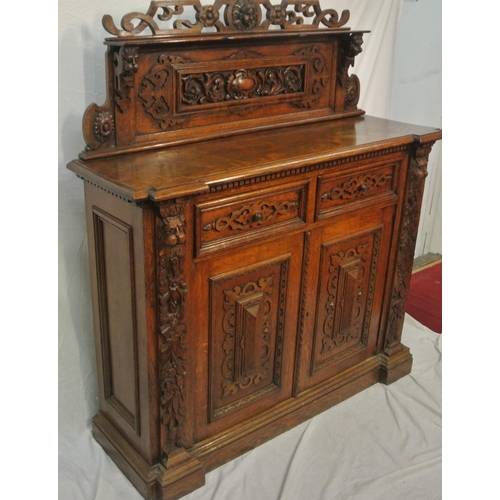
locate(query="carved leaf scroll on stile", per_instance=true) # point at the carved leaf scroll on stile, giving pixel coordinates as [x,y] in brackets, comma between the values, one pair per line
[225,16]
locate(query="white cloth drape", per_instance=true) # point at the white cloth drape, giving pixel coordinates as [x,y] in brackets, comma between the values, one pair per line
[384,443]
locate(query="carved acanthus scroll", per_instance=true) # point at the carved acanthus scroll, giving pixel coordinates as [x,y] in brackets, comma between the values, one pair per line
[226,16]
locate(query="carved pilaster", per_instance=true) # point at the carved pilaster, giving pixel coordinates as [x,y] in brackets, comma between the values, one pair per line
[411,216]
[172,289]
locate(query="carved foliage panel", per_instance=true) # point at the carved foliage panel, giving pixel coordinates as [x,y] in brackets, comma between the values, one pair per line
[238,218]
[341,190]
[346,291]
[247,309]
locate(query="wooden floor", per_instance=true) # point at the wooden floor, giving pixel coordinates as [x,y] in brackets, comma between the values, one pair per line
[426,259]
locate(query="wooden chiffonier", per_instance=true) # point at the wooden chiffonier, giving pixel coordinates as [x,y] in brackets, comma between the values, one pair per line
[251,233]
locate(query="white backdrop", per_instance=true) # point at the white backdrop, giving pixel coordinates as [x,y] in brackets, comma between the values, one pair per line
[85,471]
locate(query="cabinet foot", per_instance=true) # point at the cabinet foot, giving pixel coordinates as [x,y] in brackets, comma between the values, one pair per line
[395,362]
[182,474]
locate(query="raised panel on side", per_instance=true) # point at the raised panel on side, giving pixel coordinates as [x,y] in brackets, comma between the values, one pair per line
[117,316]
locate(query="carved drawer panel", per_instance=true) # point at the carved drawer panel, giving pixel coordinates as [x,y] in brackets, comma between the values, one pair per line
[236,219]
[356,186]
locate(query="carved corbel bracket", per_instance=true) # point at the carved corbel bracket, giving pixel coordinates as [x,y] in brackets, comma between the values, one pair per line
[114,122]
[411,216]
[349,49]
[126,66]
[99,125]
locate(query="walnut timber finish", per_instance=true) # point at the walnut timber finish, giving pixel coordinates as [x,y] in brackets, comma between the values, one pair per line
[251,234]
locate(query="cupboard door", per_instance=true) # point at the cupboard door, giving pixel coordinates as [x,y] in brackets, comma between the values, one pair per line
[251,299]
[344,291]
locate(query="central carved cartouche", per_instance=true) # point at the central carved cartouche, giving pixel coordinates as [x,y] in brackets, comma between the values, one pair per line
[222,86]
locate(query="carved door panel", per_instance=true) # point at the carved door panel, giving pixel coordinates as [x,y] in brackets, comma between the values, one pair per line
[341,317]
[251,298]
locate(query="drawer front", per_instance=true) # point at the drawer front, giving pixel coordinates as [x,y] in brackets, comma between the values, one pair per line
[356,186]
[236,219]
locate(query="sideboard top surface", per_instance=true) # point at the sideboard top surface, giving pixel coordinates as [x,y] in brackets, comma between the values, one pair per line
[191,168]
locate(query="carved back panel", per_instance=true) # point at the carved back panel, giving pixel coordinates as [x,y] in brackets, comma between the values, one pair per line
[172,87]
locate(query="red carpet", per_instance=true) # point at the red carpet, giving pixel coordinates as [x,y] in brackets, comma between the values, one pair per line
[425,296]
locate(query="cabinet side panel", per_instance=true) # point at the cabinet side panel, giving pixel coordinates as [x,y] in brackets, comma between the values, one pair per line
[117,256]
[117,308]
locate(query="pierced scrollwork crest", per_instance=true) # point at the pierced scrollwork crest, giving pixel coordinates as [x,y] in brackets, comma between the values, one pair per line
[226,16]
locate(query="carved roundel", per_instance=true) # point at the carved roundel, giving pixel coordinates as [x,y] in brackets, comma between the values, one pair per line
[103,126]
[244,15]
